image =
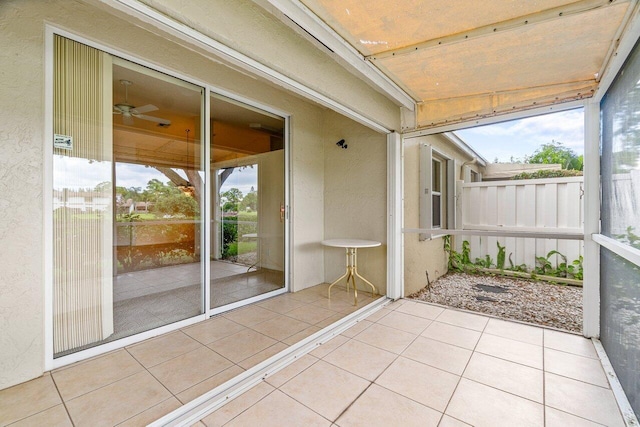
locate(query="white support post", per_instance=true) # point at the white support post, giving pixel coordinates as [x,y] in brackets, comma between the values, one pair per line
[395,264]
[591,283]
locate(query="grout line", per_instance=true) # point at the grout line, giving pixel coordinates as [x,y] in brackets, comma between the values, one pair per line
[64,403]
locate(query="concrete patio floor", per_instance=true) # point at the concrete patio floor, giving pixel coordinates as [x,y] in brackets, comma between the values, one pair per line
[410,363]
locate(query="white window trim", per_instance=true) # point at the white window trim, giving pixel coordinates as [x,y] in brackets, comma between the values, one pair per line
[49,361]
[447,181]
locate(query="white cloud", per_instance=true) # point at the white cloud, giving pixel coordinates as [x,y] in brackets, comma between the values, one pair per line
[519,138]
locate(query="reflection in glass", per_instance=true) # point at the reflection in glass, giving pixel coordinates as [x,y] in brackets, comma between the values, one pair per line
[621,156]
[127,198]
[247,241]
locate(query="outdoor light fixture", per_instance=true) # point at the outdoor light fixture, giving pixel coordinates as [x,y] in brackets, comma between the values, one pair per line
[342,144]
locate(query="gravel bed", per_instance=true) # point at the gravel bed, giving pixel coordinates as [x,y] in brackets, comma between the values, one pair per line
[558,306]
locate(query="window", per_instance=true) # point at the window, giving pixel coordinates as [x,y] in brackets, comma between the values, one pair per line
[437,181]
[436,193]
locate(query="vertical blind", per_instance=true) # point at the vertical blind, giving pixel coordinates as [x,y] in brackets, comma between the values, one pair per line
[83,194]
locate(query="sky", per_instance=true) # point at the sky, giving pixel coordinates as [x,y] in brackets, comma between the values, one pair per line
[519,138]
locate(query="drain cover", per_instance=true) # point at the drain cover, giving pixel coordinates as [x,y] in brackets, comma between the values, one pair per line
[489,299]
[489,288]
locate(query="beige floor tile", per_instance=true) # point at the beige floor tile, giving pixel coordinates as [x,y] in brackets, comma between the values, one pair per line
[86,376]
[327,347]
[380,407]
[581,399]
[280,327]
[251,315]
[301,335]
[335,304]
[117,402]
[361,359]
[394,305]
[405,322]
[357,328]
[209,384]
[573,366]
[448,421]
[426,311]
[213,329]
[326,389]
[454,335]
[187,370]
[514,351]
[511,377]
[307,296]
[555,418]
[263,355]
[153,413]
[270,412]
[514,331]
[569,343]
[427,385]
[330,320]
[481,405]
[379,314]
[238,405]
[281,304]
[439,355]
[284,375]
[160,349]
[464,320]
[242,345]
[27,399]
[311,314]
[56,416]
[386,338]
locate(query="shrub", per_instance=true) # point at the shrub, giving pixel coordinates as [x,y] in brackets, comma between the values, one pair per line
[559,173]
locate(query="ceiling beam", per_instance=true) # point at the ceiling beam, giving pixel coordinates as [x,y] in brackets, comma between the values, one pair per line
[296,13]
[547,15]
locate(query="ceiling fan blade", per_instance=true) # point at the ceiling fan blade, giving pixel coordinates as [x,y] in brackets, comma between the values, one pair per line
[127,120]
[153,119]
[144,109]
[116,111]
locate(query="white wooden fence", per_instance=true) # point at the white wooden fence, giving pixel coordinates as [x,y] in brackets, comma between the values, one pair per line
[549,205]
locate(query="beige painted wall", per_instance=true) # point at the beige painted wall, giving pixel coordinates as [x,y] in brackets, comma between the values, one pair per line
[426,256]
[250,29]
[22,26]
[355,196]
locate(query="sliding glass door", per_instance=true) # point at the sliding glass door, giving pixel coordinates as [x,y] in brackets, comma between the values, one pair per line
[248,214]
[128,198]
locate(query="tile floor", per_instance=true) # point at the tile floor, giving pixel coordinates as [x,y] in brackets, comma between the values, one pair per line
[408,364]
[142,382]
[415,364]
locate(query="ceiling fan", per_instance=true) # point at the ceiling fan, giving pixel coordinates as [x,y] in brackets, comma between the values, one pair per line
[129,111]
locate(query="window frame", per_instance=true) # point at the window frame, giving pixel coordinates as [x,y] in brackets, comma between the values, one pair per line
[428,155]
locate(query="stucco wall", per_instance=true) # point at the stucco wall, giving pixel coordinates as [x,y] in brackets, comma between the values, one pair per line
[426,256]
[250,29]
[355,196]
[22,36]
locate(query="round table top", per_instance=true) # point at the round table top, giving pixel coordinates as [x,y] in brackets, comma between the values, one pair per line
[350,243]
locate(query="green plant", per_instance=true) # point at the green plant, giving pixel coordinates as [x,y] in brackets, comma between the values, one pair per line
[500,258]
[575,269]
[629,237]
[457,261]
[485,262]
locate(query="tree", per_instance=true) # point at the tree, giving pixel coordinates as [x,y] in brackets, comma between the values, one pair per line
[232,198]
[556,153]
[250,201]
